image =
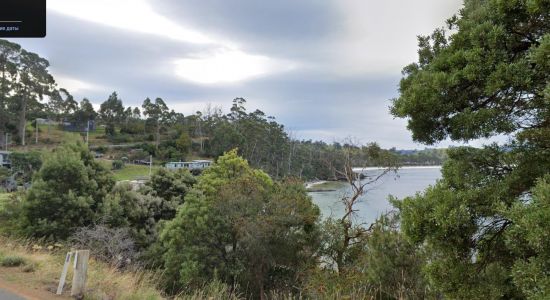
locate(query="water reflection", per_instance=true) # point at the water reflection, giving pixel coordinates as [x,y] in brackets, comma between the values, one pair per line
[406,182]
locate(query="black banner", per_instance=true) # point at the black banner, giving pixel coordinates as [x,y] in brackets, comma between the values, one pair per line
[22,18]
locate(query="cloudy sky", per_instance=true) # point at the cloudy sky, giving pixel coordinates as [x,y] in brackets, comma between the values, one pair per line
[324,68]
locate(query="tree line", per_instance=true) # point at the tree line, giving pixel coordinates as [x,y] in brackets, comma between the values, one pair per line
[28,91]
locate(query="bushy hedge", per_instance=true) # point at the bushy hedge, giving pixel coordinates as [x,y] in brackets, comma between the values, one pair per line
[67,193]
[238,226]
[117,164]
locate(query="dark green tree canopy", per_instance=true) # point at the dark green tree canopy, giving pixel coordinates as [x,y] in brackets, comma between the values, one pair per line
[158,113]
[489,76]
[68,192]
[84,113]
[112,109]
[62,104]
[157,110]
[24,82]
[170,185]
[238,226]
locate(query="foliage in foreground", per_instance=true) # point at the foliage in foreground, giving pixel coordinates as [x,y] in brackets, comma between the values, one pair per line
[240,227]
[12,261]
[143,210]
[382,264]
[529,233]
[114,246]
[484,224]
[25,164]
[253,236]
[42,268]
[67,193]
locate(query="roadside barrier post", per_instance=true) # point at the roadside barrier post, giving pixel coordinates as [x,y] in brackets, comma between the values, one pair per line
[80,270]
[80,266]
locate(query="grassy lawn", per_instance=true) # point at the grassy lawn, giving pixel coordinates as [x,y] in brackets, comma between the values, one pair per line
[97,136]
[47,134]
[52,135]
[3,198]
[129,172]
[132,172]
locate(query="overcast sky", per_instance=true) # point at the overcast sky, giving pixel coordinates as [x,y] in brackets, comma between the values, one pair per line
[326,69]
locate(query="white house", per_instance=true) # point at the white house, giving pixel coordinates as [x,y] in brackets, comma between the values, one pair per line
[4,159]
[190,165]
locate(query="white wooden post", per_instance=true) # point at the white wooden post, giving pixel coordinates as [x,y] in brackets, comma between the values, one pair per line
[80,270]
[64,273]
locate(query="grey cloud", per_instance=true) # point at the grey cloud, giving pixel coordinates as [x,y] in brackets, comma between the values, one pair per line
[259,21]
[296,30]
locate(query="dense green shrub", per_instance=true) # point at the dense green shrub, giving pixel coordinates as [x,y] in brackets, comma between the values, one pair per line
[4,174]
[133,128]
[382,264]
[12,261]
[25,164]
[11,209]
[184,143]
[67,193]
[120,138]
[487,77]
[125,207]
[117,164]
[149,148]
[238,226]
[142,210]
[530,233]
[101,149]
[391,264]
[169,184]
[110,130]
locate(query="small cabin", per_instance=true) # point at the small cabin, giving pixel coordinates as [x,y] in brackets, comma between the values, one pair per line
[4,159]
[190,165]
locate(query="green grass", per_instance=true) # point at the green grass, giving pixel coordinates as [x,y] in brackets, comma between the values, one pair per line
[97,136]
[52,135]
[12,261]
[3,199]
[132,172]
[48,137]
[129,172]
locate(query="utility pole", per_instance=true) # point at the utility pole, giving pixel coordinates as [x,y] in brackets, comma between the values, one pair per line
[200,136]
[87,132]
[36,125]
[7,134]
[150,164]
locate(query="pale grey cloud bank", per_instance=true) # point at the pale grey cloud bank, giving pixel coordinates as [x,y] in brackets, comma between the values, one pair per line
[325,69]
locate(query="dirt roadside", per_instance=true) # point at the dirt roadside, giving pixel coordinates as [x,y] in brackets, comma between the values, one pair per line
[24,291]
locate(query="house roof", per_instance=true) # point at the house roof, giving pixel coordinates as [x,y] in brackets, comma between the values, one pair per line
[190,162]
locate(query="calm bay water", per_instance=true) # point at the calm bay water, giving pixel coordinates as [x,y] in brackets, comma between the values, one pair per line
[407,182]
